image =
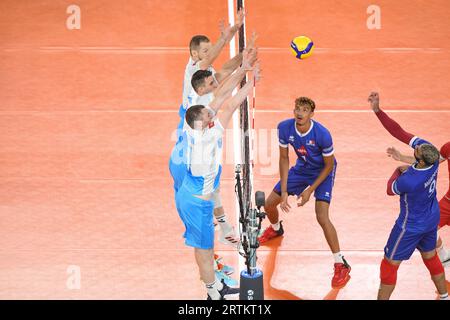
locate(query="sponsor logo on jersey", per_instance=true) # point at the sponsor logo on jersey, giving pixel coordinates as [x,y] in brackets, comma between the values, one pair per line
[291,138]
[310,143]
[302,151]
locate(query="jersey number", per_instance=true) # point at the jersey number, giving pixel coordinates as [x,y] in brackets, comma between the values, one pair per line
[432,187]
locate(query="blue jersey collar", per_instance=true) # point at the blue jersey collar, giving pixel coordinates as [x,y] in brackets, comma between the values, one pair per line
[304,134]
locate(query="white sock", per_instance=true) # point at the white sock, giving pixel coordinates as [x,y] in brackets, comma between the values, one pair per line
[276,226]
[443,296]
[338,257]
[223,224]
[213,289]
[212,292]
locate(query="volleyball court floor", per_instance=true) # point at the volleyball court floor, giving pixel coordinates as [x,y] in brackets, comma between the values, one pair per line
[87,119]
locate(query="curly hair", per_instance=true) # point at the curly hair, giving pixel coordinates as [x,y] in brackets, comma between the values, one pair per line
[304,101]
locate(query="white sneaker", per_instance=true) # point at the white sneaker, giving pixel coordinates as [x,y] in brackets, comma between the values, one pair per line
[229,239]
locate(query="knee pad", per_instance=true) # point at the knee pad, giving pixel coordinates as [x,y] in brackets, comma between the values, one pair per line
[216,199]
[434,265]
[388,273]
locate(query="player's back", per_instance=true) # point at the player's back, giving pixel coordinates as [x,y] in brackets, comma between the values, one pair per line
[419,208]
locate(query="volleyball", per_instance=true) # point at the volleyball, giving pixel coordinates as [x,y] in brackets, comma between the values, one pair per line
[302,47]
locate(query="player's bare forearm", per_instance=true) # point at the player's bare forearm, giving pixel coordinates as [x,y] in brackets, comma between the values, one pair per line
[231,64]
[234,103]
[284,168]
[225,90]
[213,53]
[407,159]
[327,169]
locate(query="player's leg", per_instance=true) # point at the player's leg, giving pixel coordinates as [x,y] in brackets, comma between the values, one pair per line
[276,228]
[323,195]
[197,215]
[444,255]
[341,267]
[205,263]
[388,278]
[227,233]
[399,247]
[295,185]
[432,262]
[322,216]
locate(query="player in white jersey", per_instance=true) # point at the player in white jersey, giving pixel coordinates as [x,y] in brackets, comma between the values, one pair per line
[202,55]
[195,197]
[205,89]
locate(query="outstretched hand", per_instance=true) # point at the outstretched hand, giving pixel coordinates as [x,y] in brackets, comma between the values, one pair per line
[252,41]
[284,205]
[304,197]
[394,153]
[249,57]
[374,100]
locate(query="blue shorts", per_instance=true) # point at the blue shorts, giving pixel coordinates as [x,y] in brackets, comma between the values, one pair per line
[178,172]
[197,216]
[300,180]
[402,243]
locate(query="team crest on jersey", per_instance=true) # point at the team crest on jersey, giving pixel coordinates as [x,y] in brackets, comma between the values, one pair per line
[211,124]
[310,143]
[302,151]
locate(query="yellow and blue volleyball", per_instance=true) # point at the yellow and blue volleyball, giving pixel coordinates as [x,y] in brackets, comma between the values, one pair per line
[302,47]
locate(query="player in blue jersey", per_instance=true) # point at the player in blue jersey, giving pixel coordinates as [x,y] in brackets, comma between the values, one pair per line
[313,172]
[194,199]
[417,224]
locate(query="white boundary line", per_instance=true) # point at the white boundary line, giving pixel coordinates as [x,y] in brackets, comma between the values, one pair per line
[236,133]
[172,110]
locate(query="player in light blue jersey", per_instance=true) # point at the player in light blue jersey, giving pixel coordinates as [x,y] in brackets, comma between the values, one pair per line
[194,199]
[417,224]
[313,172]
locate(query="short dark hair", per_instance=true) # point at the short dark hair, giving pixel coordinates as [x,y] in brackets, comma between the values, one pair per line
[194,114]
[199,77]
[430,154]
[304,101]
[195,42]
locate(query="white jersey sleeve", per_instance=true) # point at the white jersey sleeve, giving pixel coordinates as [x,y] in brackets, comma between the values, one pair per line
[204,158]
[189,93]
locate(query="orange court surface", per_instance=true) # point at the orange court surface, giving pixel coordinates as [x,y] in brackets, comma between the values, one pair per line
[88,114]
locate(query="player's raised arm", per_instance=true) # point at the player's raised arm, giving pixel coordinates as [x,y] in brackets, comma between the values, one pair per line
[236,101]
[389,124]
[227,33]
[231,65]
[224,91]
